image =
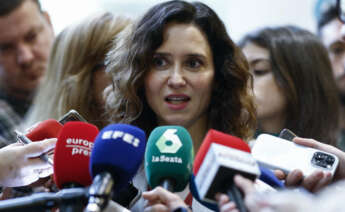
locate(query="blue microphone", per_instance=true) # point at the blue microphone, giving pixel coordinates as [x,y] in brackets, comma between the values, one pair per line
[116,157]
[268,177]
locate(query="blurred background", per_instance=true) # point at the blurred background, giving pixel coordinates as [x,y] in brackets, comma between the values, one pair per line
[239,16]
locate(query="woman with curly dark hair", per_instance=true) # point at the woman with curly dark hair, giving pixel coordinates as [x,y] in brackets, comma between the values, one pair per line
[204,78]
[178,66]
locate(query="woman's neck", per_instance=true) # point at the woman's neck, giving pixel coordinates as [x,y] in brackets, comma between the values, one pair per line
[272,125]
[198,132]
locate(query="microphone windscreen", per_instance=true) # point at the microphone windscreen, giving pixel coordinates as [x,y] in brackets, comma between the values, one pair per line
[169,155]
[119,150]
[214,136]
[72,154]
[46,129]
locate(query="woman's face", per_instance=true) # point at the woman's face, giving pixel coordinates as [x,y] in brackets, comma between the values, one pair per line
[269,98]
[179,84]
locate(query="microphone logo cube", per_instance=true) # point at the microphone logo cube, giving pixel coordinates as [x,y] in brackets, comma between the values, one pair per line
[169,142]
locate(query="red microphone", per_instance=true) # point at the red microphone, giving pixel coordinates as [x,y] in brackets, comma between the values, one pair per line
[219,158]
[72,154]
[214,136]
[46,129]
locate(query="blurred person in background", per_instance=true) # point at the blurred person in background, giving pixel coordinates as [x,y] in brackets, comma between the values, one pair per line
[293,88]
[178,66]
[293,83]
[332,33]
[75,77]
[25,41]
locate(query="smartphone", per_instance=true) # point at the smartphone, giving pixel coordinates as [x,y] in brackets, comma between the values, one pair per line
[287,134]
[72,115]
[276,153]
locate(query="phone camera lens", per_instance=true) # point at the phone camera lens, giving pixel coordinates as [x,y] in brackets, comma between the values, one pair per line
[330,160]
[323,160]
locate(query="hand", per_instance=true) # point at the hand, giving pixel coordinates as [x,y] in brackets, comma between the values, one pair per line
[162,200]
[20,164]
[313,183]
[225,204]
[340,172]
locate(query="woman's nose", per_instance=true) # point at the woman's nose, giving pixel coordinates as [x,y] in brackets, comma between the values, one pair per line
[177,78]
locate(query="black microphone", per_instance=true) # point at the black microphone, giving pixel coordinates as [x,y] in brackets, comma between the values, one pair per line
[45,201]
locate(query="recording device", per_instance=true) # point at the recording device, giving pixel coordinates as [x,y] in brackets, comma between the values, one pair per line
[71,159]
[49,128]
[169,158]
[277,153]
[220,157]
[46,129]
[115,159]
[72,115]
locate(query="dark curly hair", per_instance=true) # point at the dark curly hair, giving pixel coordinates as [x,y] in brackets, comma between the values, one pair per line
[231,108]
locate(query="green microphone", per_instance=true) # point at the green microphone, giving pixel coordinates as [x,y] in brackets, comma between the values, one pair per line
[169,158]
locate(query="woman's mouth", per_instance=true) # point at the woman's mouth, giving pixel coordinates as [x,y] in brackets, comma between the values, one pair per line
[177,102]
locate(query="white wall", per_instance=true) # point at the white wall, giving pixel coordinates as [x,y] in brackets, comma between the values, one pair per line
[240,16]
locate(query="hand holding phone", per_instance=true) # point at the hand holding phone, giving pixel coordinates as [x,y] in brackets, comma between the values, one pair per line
[277,153]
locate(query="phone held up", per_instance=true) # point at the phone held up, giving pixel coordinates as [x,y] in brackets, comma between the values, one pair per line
[280,153]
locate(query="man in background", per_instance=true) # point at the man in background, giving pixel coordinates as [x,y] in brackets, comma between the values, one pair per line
[25,41]
[332,33]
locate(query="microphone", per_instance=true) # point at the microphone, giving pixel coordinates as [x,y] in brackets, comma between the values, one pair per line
[269,178]
[46,129]
[43,201]
[266,176]
[215,166]
[71,158]
[169,158]
[116,157]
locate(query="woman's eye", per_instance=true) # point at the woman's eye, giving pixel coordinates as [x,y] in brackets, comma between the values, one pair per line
[159,62]
[337,50]
[260,72]
[194,64]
